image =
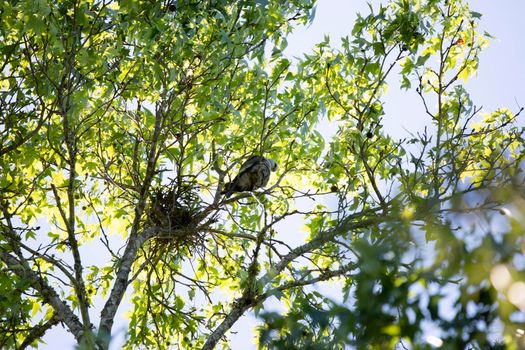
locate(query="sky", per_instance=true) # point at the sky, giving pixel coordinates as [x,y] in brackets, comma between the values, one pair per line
[502,69]
[501,73]
[499,83]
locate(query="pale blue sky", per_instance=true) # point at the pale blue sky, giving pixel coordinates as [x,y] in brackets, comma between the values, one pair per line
[499,83]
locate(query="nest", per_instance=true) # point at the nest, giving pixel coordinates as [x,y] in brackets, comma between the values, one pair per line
[175,211]
[176,215]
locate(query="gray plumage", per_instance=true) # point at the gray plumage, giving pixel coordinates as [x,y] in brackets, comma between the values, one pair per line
[254,173]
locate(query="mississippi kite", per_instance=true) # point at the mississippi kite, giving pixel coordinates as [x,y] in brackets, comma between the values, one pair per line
[254,173]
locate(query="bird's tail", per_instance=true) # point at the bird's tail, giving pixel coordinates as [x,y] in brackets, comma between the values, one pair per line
[227,190]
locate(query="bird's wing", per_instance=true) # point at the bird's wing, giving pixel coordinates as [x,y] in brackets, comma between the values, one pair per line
[263,174]
[253,177]
[253,160]
[254,173]
[246,167]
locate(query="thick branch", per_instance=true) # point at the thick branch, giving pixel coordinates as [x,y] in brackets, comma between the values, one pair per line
[113,302]
[322,238]
[48,294]
[248,300]
[38,331]
[79,285]
[135,241]
[239,307]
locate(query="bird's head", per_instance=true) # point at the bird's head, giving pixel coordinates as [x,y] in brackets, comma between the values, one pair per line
[273,164]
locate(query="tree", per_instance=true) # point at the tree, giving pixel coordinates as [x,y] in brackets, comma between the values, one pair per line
[122,121]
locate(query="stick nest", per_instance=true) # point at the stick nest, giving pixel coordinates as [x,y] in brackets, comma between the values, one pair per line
[175,211]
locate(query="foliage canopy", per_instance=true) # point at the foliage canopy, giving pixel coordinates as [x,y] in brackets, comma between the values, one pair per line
[122,120]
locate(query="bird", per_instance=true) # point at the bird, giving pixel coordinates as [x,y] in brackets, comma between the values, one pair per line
[254,173]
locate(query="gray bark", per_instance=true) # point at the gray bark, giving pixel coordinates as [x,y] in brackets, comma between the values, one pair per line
[49,295]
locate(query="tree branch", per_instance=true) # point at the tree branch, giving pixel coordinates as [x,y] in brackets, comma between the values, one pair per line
[121,283]
[38,331]
[249,299]
[48,294]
